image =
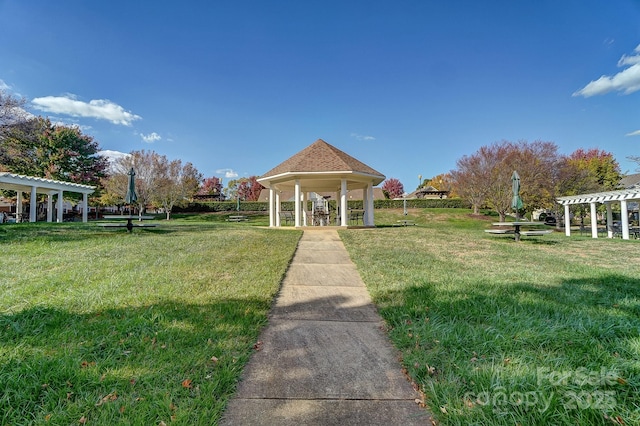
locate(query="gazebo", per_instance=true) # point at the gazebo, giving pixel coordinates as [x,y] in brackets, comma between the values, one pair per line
[320,167]
[35,185]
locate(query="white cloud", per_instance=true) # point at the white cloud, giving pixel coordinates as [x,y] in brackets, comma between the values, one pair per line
[3,85]
[626,81]
[151,137]
[362,137]
[97,108]
[636,133]
[228,173]
[113,155]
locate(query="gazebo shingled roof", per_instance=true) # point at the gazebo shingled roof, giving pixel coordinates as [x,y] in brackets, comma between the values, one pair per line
[321,157]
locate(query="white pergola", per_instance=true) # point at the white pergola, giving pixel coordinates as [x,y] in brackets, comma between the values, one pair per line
[621,196]
[320,168]
[35,185]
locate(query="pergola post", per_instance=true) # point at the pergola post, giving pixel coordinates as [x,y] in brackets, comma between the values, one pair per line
[33,204]
[609,219]
[19,206]
[85,207]
[59,216]
[343,202]
[49,207]
[594,221]
[272,214]
[624,218]
[297,203]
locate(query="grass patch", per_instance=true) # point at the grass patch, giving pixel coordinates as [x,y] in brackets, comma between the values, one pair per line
[544,331]
[152,326]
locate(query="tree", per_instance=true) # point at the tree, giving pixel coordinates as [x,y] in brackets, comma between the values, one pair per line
[11,109]
[593,170]
[249,188]
[485,177]
[603,171]
[175,184]
[159,182]
[471,177]
[36,147]
[392,188]
[442,182]
[211,187]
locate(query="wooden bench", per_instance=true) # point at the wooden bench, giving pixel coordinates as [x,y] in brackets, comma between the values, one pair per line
[286,217]
[356,216]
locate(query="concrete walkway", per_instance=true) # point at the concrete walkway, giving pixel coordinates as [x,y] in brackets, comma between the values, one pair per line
[323,359]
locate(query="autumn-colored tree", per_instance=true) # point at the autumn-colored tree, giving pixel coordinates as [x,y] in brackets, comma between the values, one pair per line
[211,186]
[591,170]
[485,177]
[441,182]
[392,188]
[159,182]
[249,188]
[36,147]
[175,183]
[603,171]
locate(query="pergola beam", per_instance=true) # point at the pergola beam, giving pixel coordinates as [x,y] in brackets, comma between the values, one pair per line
[36,185]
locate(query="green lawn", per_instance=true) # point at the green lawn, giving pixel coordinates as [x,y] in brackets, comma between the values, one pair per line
[106,327]
[544,331]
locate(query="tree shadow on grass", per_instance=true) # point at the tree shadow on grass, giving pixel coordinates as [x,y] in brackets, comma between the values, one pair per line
[495,339]
[131,365]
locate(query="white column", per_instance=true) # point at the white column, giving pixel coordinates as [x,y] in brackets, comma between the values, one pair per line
[272,205]
[49,207]
[18,205]
[365,206]
[609,219]
[624,218]
[85,207]
[278,207]
[60,206]
[567,221]
[343,203]
[33,204]
[296,202]
[303,200]
[594,221]
[370,221]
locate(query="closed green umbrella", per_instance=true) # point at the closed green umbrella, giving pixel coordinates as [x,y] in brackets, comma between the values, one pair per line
[516,201]
[131,196]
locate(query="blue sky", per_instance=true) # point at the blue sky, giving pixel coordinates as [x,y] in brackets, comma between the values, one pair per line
[408,87]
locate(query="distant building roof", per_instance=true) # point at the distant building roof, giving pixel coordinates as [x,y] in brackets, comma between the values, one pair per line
[630,181]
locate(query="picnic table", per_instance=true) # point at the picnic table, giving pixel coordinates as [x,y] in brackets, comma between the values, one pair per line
[129,221]
[237,218]
[514,228]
